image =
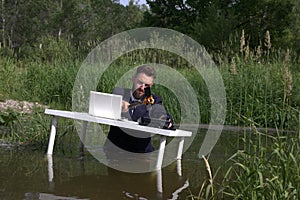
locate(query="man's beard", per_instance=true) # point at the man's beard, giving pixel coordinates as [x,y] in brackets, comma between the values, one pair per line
[138,93]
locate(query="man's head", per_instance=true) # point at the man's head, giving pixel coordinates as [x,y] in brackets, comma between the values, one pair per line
[143,78]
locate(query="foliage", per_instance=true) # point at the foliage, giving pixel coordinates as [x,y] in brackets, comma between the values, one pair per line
[29,128]
[82,24]
[265,172]
[49,49]
[265,167]
[49,83]
[212,23]
[24,21]
[8,118]
[212,29]
[10,79]
[25,24]
[256,17]
[261,90]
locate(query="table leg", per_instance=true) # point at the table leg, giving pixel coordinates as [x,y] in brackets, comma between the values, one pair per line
[50,168]
[161,152]
[159,181]
[179,171]
[180,148]
[50,172]
[179,156]
[52,135]
[82,139]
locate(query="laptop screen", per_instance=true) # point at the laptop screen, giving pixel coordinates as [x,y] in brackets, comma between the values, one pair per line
[105,105]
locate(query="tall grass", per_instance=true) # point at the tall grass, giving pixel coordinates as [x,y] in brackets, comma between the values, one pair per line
[266,167]
[262,85]
[257,92]
[267,172]
[48,84]
[10,78]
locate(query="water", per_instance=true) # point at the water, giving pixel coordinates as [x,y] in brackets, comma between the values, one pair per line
[26,173]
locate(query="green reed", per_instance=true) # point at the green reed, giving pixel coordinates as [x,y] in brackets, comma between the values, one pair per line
[264,172]
[262,85]
[266,166]
[255,91]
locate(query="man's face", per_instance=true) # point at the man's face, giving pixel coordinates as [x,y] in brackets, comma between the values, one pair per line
[140,82]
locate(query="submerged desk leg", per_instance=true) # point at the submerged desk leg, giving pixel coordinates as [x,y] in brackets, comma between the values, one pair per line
[50,172]
[159,181]
[161,152]
[82,139]
[50,168]
[52,135]
[179,155]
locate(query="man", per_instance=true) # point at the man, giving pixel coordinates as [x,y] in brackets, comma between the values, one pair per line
[134,109]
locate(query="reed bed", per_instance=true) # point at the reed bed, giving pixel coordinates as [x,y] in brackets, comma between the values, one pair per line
[259,90]
[265,172]
[266,166]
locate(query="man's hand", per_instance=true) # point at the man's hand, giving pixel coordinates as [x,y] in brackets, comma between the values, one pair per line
[125,106]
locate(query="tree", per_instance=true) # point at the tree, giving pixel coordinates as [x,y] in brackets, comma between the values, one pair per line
[3,17]
[214,26]
[212,22]
[133,15]
[25,20]
[84,23]
[174,14]
[258,16]
[295,26]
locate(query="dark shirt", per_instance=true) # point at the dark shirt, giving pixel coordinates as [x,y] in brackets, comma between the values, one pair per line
[132,140]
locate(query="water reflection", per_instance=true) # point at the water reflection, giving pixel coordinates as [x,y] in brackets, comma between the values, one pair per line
[29,174]
[113,184]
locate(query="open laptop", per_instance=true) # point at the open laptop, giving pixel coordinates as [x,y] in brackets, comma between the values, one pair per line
[105,105]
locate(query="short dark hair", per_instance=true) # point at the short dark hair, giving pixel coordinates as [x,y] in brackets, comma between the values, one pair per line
[146,69]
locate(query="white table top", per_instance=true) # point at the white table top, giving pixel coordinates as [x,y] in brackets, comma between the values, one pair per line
[120,123]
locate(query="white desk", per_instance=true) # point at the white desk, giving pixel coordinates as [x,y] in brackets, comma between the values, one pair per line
[124,124]
[85,117]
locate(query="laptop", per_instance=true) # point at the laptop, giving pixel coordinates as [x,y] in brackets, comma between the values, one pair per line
[105,105]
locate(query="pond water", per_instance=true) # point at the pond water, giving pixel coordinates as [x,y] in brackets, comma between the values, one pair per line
[27,173]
